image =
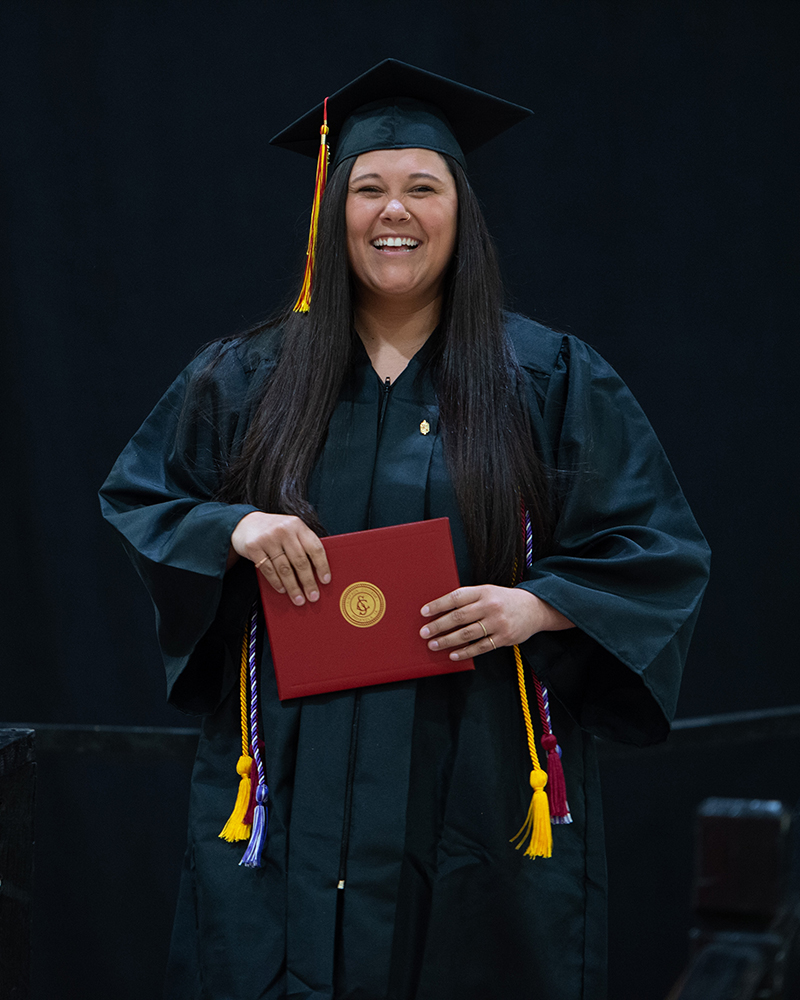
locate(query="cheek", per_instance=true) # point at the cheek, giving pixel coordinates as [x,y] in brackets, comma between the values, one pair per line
[447,235]
[448,227]
[352,239]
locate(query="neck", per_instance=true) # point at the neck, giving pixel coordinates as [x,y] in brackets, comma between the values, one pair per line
[392,334]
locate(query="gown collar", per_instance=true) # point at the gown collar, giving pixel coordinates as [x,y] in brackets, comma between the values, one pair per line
[416,364]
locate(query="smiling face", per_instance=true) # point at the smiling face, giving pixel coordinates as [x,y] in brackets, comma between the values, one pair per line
[401,213]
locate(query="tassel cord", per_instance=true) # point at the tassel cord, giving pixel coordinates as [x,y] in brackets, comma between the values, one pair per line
[258,837]
[537,824]
[321,179]
[238,826]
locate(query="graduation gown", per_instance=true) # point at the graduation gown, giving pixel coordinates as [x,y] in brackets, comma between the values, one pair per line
[407,794]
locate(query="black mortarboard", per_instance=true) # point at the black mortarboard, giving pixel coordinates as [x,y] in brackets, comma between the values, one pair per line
[393,106]
[397,106]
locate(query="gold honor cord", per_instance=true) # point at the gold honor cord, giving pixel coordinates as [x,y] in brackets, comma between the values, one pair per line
[236,828]
[537,823]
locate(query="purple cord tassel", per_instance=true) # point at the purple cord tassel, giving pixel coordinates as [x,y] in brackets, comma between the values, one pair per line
[258,835]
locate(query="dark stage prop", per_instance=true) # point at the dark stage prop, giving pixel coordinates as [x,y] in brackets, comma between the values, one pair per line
[17,780]
[745,940]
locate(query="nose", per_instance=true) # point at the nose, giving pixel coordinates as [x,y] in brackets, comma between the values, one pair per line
[395,211]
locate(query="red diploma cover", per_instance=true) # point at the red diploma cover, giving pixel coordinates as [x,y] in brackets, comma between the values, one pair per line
[364,629]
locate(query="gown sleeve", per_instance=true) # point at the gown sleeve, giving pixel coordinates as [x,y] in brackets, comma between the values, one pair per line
[160,498]
[629,564]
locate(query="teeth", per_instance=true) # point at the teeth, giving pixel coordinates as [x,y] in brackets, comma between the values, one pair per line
[396,241]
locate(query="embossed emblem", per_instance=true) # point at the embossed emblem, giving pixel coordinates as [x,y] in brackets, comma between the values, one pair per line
[362,604]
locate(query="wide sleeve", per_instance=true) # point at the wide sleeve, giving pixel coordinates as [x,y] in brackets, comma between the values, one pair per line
[629,564]
[160,498]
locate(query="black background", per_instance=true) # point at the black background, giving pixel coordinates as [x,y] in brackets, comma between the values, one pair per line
[650,207]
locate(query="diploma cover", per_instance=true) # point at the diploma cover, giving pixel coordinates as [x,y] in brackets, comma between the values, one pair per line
[364,629]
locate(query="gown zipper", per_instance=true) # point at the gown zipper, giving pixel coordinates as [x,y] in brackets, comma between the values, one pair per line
[351,757]
[348,791]
[387,385]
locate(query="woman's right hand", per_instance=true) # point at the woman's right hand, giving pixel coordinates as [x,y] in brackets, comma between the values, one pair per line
[285,551]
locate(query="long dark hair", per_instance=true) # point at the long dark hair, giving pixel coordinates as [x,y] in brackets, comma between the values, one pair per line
[486,430]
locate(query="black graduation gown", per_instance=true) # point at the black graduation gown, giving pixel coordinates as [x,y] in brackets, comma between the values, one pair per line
[408,793]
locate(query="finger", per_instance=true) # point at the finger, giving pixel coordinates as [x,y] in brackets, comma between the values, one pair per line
[487,645]
[285,571]
[303,569]
[319,557]
[472,633]
[267,570]
[450,602]
[458,618]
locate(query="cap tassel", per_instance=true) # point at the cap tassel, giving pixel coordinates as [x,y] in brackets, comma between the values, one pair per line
[537,823]
[304,300]
[238,827]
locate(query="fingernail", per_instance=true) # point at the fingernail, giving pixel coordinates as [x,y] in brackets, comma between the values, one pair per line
[299,599]
[454,656]
[282,590]
[314,595]
[326,578]
[426,610]
[425,632]
[433,644]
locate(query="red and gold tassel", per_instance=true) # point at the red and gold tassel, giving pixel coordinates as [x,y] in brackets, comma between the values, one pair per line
[304,300]
[557,786]
[238,827]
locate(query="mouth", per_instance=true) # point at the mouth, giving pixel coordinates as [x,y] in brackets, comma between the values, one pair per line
[403,243]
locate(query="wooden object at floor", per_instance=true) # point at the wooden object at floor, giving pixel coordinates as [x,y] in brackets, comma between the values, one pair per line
[17,777]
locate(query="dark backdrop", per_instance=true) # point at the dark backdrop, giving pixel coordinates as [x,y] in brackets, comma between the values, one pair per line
[650,207]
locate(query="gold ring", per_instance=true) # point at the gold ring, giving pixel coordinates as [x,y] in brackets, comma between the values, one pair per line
[265,559]
[491,640]
[485,633]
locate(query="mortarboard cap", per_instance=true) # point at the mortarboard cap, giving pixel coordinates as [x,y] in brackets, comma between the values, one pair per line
[392,106]
[398,106]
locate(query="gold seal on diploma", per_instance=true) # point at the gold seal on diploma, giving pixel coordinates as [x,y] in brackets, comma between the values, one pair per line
[362,604]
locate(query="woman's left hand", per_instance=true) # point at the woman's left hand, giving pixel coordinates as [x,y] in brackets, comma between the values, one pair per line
[475,620]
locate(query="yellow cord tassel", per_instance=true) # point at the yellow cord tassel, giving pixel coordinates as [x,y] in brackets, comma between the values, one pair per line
[236,828]
[537,823]
[304,299]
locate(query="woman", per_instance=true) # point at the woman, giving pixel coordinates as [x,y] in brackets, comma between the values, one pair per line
[406,393]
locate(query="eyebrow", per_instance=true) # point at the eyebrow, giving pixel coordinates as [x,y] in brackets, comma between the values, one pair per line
[414,176]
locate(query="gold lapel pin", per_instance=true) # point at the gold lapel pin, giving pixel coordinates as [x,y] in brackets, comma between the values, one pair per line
[424,427]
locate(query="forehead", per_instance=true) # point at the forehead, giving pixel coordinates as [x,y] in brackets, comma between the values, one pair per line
[401,162]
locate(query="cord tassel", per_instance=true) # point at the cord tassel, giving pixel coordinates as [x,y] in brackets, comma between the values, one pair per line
[237,828]
[304,299]
[557,791]
[557,787]
[258,834]
[258,838]
[238,824]
[537,823]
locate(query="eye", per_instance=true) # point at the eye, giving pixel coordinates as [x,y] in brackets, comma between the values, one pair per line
[421,189]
